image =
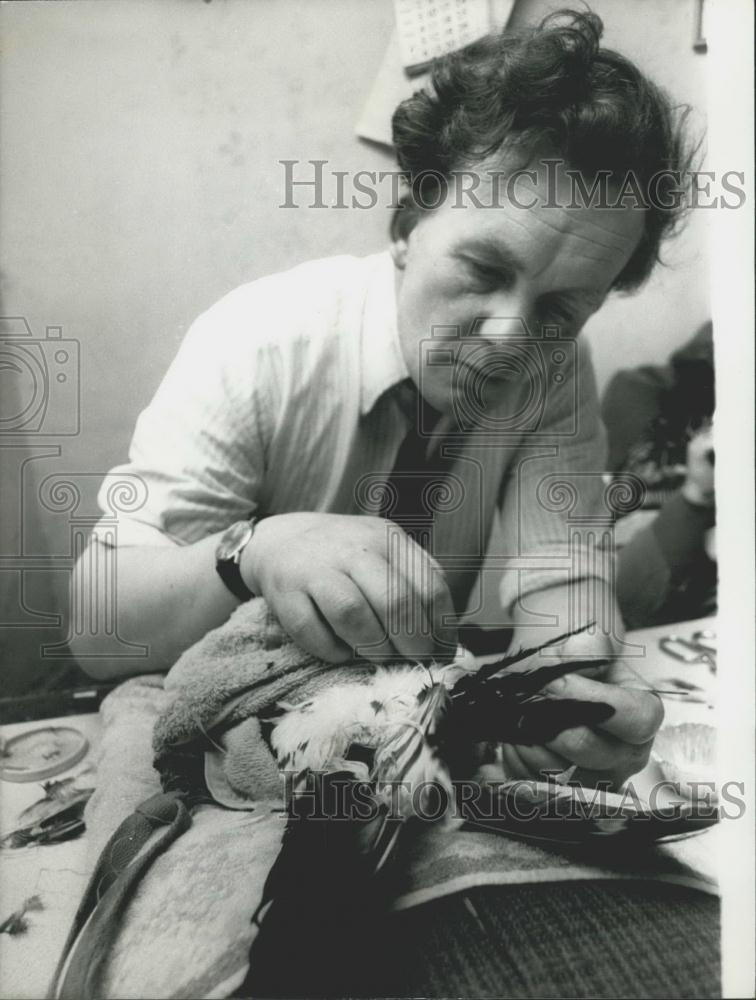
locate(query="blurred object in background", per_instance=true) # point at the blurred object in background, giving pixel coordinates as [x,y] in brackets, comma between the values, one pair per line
[652,412]
[659,424]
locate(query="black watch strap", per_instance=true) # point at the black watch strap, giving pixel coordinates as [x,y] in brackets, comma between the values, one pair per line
[230,573]
[228,557]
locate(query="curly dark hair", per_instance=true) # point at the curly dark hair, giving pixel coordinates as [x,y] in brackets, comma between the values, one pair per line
[551,87]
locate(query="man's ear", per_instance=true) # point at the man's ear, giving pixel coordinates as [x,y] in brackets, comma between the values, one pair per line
[398,252]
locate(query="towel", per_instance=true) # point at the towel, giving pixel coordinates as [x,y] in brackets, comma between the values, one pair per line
[240,669]
[252,704]
[178,936]
[125,772]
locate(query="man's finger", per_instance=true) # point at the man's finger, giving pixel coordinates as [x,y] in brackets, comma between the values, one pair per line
[541,761]
[512,765]
[301,620]
[598,751]
[638,712]
[396,606]
[433,591]
[419,611]
[350,616]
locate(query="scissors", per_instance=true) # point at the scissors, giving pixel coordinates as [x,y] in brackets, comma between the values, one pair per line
[700,648]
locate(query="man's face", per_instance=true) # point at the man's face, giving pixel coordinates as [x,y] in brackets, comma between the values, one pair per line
[481,271]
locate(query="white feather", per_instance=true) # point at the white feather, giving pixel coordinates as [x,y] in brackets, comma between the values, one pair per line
[321,729]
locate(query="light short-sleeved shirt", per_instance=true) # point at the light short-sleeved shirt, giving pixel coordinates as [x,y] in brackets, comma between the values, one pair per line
[281,398]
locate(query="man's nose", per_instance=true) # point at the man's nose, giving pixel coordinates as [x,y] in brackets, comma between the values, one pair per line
[501,327]
[508,314]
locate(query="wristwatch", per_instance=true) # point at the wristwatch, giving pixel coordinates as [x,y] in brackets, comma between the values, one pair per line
[228,557]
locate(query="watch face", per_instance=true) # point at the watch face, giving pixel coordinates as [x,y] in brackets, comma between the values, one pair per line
[233,540]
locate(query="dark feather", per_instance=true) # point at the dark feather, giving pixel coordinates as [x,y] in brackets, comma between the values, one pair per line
[328,883]
[517,684]
[323,892]
[490,669]
[340,829]
[554,814]
[504,707]
[536,721]
[331,826]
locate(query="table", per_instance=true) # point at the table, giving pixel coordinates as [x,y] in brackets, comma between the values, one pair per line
[657,667]
[58,873]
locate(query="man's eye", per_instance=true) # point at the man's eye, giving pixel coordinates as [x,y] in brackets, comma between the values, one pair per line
[558,312]
[487,278]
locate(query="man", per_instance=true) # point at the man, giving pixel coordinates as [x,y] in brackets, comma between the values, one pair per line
[297,396]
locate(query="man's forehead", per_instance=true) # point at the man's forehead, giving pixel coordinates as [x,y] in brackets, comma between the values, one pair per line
[536,206]
[560,197]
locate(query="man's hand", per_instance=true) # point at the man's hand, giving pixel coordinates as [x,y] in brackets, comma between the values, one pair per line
[618,747]
[351,585]
[612,751]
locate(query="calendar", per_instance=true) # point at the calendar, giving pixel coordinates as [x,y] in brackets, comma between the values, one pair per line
[424,30]
[431,28]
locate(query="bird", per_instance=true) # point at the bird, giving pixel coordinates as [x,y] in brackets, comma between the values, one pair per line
[364,758]
[367,758]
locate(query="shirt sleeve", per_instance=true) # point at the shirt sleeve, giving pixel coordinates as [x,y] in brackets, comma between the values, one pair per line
[553,509]
[198,450]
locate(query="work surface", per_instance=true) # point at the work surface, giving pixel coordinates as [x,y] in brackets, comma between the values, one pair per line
[57,874]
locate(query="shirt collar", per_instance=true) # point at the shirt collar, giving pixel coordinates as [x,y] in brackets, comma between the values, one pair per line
[381,359]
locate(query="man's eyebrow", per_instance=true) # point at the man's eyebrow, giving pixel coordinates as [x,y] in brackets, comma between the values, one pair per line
[501,255]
